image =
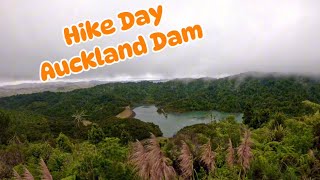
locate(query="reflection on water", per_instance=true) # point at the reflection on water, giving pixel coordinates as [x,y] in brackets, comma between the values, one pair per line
[176,121]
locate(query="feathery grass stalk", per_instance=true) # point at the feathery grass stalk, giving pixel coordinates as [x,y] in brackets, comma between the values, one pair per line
[161,170]
[159,163]
[153,149]
[244,151]
[27,175]
[311,154]
[16,175]
[138,158]
[186,161]
[208,157]
[230,154]
[45,171]
[150,162]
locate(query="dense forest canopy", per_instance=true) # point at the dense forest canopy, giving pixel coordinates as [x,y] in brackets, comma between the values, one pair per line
[274,92]
[76,135]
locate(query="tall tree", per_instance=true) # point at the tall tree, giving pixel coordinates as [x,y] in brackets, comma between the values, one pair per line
[4,126]
[247,114]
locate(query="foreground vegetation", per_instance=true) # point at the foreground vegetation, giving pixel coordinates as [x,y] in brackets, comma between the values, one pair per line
[283,148]
[43,136]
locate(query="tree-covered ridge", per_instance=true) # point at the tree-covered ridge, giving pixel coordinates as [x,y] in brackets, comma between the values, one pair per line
[65,105]
[275,93]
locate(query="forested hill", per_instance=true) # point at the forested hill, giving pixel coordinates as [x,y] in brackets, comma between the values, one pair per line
[231,94]
[78,135]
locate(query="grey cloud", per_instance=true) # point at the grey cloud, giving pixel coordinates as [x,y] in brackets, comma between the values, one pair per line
[239,36]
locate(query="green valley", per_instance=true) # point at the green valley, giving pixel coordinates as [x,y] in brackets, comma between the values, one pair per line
[278,138]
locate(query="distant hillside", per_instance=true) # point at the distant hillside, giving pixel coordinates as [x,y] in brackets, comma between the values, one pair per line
[29,88]
[274,92]
[60,86]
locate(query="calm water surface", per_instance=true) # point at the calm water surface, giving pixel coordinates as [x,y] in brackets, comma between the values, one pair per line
[176,121]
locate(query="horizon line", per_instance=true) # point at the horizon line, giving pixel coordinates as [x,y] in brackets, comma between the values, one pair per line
[116,79]
[148,77]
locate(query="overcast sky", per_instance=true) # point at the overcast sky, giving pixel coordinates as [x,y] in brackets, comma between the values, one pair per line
[239,36]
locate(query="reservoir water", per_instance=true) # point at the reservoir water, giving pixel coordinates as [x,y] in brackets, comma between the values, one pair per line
[175,121]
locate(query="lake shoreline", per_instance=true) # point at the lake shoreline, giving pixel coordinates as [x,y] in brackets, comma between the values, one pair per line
[170,110]
[126,113]
[173,122]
